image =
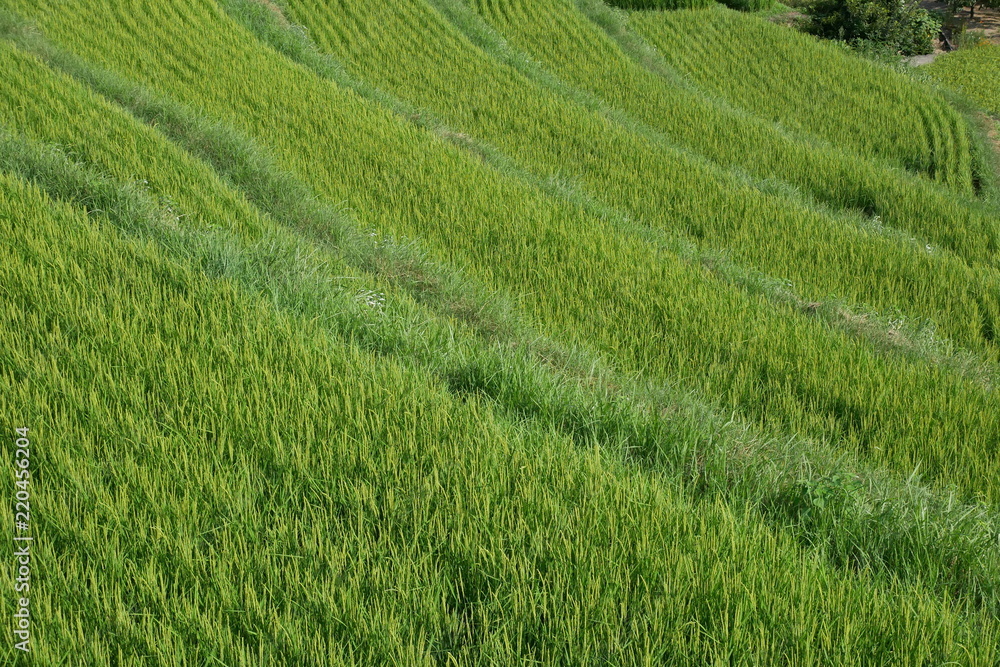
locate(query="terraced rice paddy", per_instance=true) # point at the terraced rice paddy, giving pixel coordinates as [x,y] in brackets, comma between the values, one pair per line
[483,333]
[974,72]
[872,110]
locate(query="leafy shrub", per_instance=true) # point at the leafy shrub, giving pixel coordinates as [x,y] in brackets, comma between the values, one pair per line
[901,25]
[811,502]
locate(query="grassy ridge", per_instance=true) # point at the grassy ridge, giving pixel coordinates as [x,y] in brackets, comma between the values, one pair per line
[594,288]
[421,526]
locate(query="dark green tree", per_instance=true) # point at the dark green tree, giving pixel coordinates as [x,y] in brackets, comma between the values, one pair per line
[900,25]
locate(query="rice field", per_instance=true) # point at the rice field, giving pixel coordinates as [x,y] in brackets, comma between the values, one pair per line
[648,182]
[813,86]
[973,72]
[385,381]
[597,50]
[607,304]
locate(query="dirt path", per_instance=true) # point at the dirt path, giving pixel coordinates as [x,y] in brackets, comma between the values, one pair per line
[791,19]
[986,21]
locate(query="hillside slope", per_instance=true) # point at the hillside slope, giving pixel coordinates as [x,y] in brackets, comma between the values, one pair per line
[585,280]
[452,353]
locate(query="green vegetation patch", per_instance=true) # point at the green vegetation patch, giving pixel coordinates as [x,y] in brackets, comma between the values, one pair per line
[974,72]
[742,5]
[900,27]
[582,278]
[312,462]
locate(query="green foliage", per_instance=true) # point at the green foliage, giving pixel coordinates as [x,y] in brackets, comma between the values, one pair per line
[922,30]
[826,498]
[969,39]
[901,25]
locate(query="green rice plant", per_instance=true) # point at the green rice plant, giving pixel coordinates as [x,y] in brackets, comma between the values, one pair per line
[946,547]
[355,524]
[565,51]
[974,72]
[636,172]
[608,59]
[580,278]
[813,86]
[527,26]
[330,505]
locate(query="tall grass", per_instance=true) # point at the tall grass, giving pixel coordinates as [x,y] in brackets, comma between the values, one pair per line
[300,475]
[323,518]
[579,277]
[302,268]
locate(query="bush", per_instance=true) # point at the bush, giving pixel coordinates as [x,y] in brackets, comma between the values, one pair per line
[901,25]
